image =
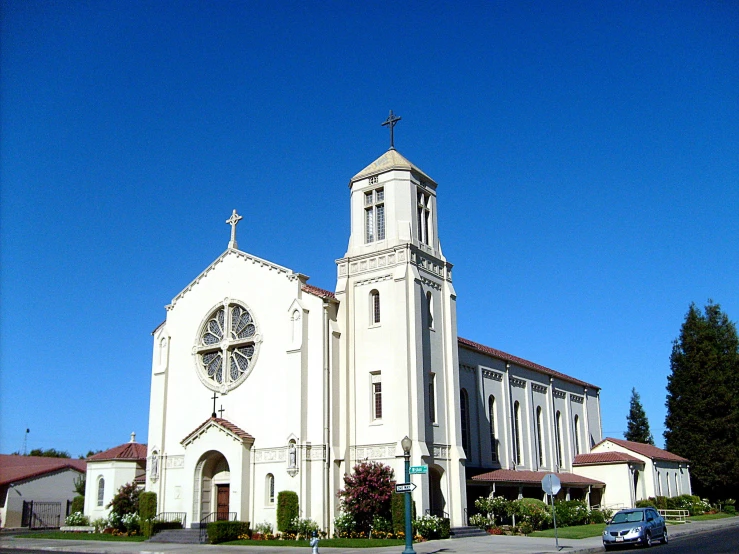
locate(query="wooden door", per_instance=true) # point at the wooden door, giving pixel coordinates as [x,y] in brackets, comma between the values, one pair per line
[222,502]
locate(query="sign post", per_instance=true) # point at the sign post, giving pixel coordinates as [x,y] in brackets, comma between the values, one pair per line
[551,485]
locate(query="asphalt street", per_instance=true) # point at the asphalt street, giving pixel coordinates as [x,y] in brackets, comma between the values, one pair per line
[714,537]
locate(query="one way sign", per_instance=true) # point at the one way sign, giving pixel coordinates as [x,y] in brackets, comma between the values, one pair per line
[405,487]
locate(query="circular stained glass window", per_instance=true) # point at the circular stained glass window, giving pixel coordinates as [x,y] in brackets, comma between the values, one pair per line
[227,346]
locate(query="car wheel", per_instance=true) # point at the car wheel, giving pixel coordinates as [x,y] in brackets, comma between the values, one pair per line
[648,539]
[664,537]
[607,547]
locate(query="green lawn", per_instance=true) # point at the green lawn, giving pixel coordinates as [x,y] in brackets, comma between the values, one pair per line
[574,532]
[705,517]
[79,536]
[328,543]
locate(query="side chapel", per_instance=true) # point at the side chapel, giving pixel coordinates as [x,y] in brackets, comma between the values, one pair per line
[307,382]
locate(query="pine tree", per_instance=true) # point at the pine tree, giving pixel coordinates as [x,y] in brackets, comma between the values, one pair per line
[702,422]
[637,425]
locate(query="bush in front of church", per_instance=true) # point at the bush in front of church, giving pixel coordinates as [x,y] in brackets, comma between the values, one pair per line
[224,531]
[367,492]
[288,509]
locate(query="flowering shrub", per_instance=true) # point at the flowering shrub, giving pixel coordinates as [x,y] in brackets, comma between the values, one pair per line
[497,507]
[480,520]
[571,512]
[99,524]
[77,519]
[303,527]
[367,492]
[344,526]
[432,527]
[531,511]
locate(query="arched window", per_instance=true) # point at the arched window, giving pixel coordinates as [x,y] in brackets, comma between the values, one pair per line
[577,435]
[374,307]
[517,430]
[270,488]
[101,491]
[430,309]
[539,441]
[558,435]
[465,420]
[493,440]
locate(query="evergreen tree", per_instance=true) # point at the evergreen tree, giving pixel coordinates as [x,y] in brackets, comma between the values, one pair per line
[637,425]
[702,422]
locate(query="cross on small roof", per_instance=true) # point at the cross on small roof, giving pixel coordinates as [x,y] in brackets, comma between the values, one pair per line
[215,396]
[391,120]
[232,221]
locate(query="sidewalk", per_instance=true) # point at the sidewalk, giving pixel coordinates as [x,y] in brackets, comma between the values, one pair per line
[473,545]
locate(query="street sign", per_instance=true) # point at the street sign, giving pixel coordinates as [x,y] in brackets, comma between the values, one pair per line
[550,483]
[405,487]
[418,470]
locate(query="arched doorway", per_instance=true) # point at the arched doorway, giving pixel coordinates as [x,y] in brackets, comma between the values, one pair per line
[213,477]
[437,502]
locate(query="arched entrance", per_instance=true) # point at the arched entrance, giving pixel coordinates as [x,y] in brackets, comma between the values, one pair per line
[437,502]
[213,481]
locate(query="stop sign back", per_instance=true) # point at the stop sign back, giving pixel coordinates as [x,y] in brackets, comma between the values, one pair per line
[550,483]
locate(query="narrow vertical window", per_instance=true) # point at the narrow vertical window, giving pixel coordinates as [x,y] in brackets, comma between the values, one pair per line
[558,436]
[270,488]
[376,396]
[432,398]
[465,420]
[577,434]
[517,430]
[493,440]
[539,441]
[374,307]
[374,215]
[424,214]
[101,491]
[430,309]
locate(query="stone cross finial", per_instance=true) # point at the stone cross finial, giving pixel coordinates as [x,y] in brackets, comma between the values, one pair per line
[391,120]
[133,437]
[232,221]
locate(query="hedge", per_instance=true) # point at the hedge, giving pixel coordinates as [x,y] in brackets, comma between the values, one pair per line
[223,531]
[287,509]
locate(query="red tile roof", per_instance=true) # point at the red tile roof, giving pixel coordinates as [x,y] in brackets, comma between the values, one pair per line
[127,451]
[532,477]
[321,293]
[243,435]
[14,468]
[646,450]
[610,457]
[521,362]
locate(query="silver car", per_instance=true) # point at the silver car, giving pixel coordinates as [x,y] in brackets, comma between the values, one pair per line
[635,526]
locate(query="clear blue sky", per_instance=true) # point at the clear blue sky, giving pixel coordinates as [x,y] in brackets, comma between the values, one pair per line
[587,155]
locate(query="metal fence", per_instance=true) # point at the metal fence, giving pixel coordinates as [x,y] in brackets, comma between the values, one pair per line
[41,515]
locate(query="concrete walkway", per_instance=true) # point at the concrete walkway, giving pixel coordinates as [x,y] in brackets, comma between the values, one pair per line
[473,545]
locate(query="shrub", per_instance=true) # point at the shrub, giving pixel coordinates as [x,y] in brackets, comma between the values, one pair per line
[367,492]
[303,527]
[525,528]
[148,505]
[287,509]
[381,525]
[599,516]
[730,509]
[480,520]
[223,531]
[78,504]
[531,511]
[571,512]
[344,526]
[131,523]
[77,519]
[99,524]
[432,527]
[264,528]
[126,500]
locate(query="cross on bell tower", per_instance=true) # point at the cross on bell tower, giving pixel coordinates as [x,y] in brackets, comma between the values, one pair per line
[391,120]
[232,221]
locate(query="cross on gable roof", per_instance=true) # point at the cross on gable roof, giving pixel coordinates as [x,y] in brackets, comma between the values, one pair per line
[224,425]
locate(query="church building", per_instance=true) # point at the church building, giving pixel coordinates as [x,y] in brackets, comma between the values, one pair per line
[307,382]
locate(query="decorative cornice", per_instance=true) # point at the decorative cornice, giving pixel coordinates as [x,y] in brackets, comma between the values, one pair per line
[174,462]
[373,451]
[494,375]
[372,280]
[430,283]
[518,382]
[467,368]
[536,387]
[576,398]
[559,393]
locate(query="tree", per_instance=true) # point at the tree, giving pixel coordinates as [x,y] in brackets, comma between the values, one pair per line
[49,453]
[637,425]
[702,422]
[367,492]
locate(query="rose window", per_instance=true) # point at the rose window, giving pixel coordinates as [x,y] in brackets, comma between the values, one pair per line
[227,346]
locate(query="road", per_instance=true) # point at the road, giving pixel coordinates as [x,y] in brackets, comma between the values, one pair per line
[720,541]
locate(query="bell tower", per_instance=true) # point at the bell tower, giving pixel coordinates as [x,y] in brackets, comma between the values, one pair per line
[399,362]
